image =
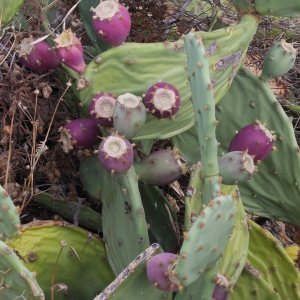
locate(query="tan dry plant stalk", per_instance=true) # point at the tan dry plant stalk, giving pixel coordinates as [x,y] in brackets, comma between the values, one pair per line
[9,149]
[37,151]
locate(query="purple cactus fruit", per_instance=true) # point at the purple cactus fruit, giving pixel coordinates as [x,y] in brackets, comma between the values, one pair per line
[162,100]
[102,108]
[37,57]
[70,50]
[111,22]
[115,153]
[79,134]
[255,138]
[160,274]
[221,290]
[220,293]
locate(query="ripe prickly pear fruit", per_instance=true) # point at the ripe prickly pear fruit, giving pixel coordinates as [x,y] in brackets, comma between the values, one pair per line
[160,272]
[279,60]
[162,100]
[255,138]
[236,167]
[115,153]
[37,57]
[102,108]
[161,167]
[70,50]
[79,134]
[129,115]
[111,22]
[220,293]
[221,290]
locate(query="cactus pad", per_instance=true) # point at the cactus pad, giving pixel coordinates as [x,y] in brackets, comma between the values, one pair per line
[9,217]
[82,265]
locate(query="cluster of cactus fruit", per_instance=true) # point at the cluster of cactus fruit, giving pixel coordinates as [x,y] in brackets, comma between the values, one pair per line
[194,91]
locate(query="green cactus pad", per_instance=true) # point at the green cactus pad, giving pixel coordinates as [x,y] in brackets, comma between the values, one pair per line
[161,217]
[90,176]
[82,264]
[274,191]
[201,289]
[88,218]
[9,217]
[269,273]
[278,8]
[125,229]
[8,9]
[134,67]
[244,6]
[193,196]
[17,282]
[201,249]
[188,145]
[234,257]
[133,283]
[253,98]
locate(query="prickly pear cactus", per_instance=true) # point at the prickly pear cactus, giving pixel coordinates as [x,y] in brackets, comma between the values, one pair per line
[278,8]
[9,217]
[142,63]
[86,218]
[8,9]
[133,283]
[16,280]
[76,267]
[265,273]
[234,257]
[274,191]
[125,230]
[279,59]
[254,99]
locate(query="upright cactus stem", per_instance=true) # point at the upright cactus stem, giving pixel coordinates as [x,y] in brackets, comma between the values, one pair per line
[204,107]
[203,102]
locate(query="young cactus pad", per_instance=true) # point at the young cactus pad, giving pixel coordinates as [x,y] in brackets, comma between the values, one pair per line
[76,259]
[9,217]
[201,249]
[102,108]
[129,115]
[111,22]
[115,153]
[17,282]
[162,100]
[279,59]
